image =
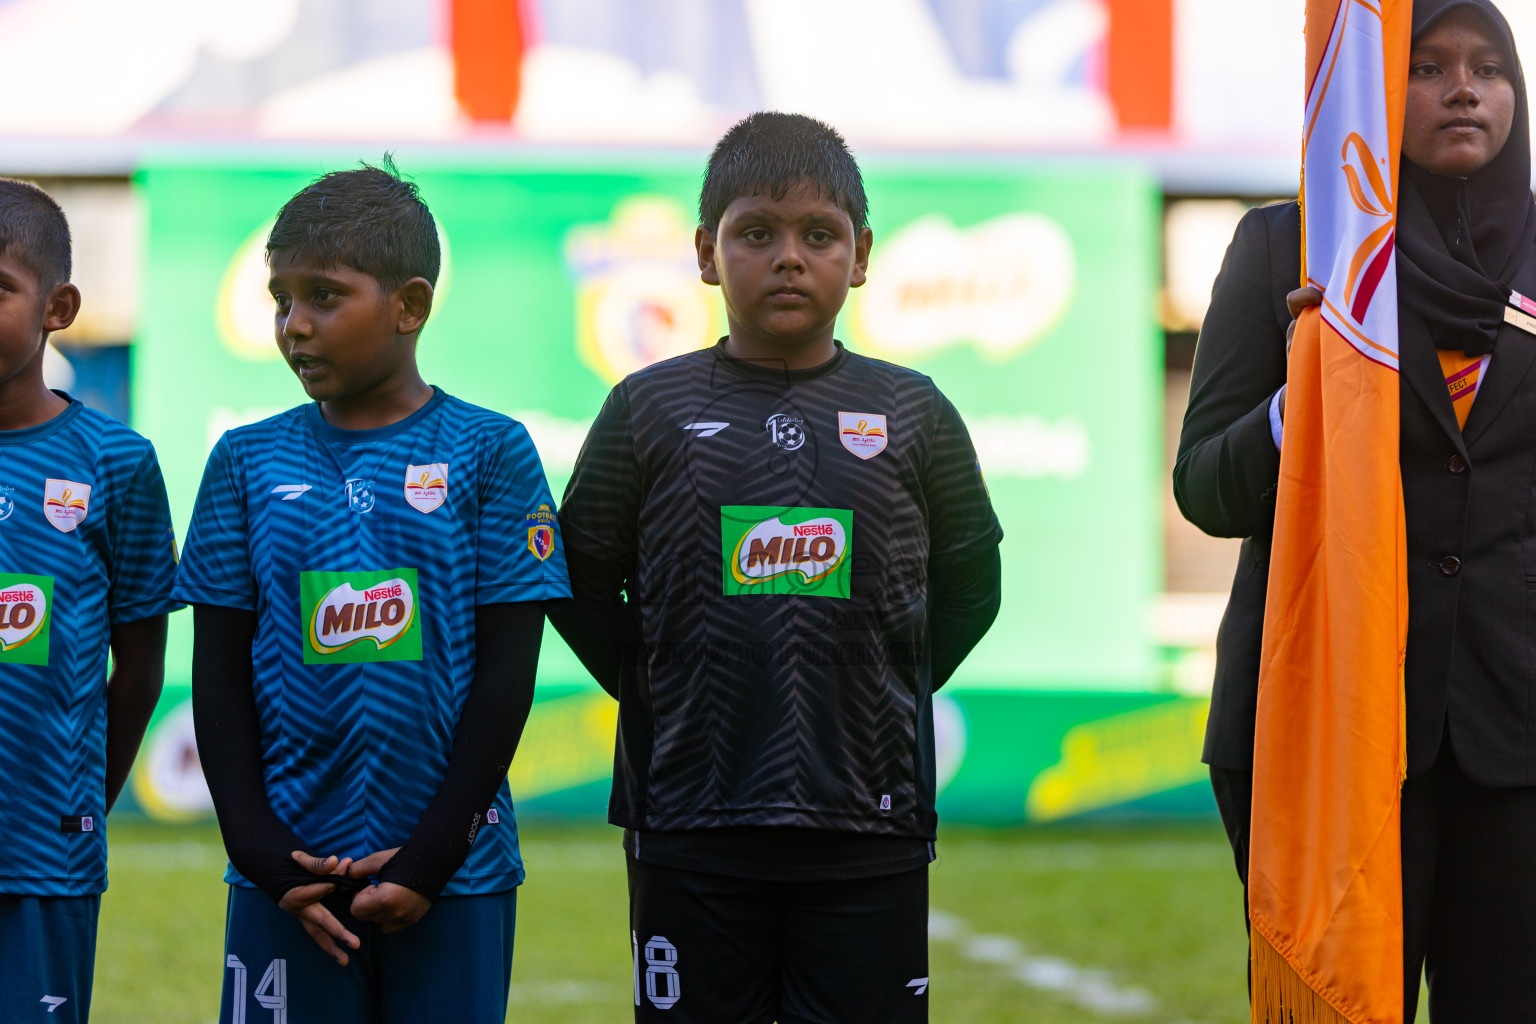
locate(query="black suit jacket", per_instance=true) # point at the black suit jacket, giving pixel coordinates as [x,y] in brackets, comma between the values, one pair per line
[1468,498]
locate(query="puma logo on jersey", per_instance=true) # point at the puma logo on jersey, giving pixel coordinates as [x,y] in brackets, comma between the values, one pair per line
[290,492]
[706,428]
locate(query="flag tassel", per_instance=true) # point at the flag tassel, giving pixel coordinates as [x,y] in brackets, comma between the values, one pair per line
[1280,996]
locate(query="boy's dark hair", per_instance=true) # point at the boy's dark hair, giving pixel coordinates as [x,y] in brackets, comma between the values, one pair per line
[370,219]
[774,153]
[34,230]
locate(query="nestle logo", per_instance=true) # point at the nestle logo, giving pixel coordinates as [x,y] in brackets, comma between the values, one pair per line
[8,596]
[814,530]
[380,593]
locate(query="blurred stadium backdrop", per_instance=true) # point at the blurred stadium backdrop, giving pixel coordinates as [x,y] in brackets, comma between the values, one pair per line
[1052,185]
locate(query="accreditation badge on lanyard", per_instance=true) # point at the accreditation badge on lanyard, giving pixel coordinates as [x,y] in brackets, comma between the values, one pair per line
[1521,312]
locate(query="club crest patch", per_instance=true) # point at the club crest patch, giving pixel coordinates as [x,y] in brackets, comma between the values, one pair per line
[7,502]
[541,532]
[862,433]
[65,503]
[541,541]
[426,487]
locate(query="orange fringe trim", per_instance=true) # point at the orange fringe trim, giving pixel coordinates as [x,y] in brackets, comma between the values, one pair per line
[1279,994]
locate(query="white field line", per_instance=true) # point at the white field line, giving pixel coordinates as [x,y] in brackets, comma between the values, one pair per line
[1088,987]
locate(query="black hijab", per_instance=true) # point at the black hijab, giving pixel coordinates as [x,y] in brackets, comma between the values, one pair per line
[1460,240]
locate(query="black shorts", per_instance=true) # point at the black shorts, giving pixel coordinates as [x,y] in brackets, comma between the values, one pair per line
[714,949]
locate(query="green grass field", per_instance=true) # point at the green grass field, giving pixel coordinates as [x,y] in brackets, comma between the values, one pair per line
[1111,923]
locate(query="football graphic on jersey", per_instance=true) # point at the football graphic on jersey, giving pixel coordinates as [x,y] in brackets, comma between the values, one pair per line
[786,431]
[25,602]
[360,495]
[364,615]
[426,487]
[65,503]
[7,502]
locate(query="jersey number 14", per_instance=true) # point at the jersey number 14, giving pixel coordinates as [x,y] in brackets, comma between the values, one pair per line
[271,992]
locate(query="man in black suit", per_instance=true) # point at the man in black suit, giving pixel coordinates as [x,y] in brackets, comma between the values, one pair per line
[1469,806]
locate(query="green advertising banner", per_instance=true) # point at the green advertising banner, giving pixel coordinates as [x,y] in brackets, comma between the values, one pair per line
[1003,757]
[1025,290]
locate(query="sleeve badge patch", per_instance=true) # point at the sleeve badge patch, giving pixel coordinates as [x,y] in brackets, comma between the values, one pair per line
[541,531]
[65,503]
[426,487]
[862,433]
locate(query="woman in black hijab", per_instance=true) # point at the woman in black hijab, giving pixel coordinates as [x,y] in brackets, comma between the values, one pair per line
[1466,250]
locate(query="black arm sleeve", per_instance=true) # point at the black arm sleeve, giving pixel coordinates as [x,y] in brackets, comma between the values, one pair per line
[229,745]
[490,725]
[963,598]
[599,524]
[599,626]
[1227,468]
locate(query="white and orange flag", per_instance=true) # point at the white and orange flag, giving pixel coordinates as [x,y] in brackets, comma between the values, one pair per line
[1324,873]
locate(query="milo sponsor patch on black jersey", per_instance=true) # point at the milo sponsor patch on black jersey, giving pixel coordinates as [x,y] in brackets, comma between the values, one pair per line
[786,551]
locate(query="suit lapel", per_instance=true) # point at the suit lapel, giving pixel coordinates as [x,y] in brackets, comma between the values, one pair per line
[1421,369]
[1513,354]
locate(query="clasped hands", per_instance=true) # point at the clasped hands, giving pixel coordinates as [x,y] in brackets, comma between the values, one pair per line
[390,906]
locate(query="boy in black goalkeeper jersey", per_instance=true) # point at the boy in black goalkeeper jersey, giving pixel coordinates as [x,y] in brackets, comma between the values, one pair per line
[808,553]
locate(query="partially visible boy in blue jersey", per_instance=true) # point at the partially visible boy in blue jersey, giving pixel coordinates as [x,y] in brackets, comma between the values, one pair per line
[86,563]
[369,575]
[808,553]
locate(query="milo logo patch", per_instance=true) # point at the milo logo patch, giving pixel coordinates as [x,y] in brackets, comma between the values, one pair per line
[769,550]
[357,617]
[26,604]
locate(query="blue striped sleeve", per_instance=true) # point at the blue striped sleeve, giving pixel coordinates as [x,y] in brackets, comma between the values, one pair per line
[520,556]
[143,547]
[216,567]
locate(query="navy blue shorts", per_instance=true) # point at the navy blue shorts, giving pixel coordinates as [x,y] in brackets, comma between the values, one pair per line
[47,957]
[453,965]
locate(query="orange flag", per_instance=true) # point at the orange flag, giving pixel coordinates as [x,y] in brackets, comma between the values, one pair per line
[1325,870]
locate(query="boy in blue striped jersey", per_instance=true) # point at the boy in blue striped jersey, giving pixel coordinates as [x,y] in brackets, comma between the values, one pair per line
[86,562]
[368,574]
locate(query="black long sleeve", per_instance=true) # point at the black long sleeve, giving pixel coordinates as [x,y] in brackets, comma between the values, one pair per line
[963,598]
[1227,468]
[229,745]
[598,625]
[507,640]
